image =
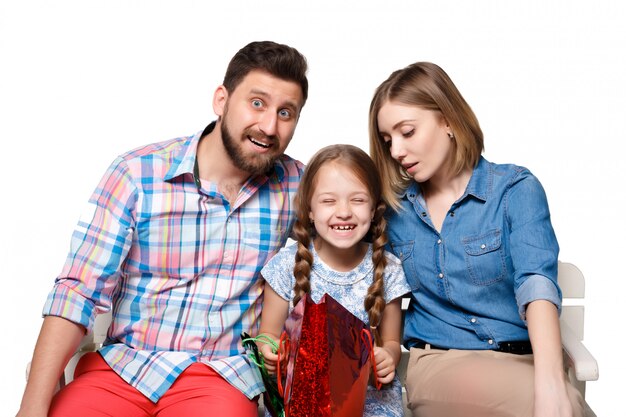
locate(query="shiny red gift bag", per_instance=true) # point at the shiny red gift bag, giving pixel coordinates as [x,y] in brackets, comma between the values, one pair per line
[328,362]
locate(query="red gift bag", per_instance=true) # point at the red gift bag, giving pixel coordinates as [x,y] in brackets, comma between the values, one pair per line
[328,361]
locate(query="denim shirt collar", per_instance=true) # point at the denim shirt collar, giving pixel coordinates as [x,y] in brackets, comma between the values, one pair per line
[480,184]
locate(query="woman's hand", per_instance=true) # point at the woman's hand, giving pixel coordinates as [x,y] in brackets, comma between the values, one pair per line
[385,365]
[551,400]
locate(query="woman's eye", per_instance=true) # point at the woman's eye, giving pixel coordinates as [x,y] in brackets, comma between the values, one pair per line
[408,134]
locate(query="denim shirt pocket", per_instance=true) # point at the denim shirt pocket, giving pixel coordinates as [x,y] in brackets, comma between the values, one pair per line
[404,252]
[484,257]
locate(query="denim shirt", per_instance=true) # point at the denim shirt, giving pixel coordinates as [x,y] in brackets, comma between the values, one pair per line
[496,253]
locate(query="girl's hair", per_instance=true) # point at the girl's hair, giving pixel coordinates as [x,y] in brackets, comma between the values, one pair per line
[365,171]
[425,85]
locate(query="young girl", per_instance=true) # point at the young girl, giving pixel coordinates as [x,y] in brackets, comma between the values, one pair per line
[338,204]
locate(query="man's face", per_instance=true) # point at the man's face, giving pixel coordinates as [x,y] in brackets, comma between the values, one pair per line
[258,119]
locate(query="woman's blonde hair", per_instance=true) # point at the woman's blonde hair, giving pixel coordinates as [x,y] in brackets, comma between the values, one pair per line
[427,86]
[363,168]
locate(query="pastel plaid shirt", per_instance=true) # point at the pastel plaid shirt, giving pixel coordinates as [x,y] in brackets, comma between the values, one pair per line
[177,263]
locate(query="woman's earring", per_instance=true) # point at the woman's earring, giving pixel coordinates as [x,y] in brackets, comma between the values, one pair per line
[451,135]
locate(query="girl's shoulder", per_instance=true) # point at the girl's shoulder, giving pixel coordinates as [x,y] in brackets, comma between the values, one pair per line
[392,258]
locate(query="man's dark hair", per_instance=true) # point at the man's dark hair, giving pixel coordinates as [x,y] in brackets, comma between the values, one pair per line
[279,60]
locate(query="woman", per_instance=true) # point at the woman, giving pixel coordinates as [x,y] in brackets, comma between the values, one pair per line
[479,253]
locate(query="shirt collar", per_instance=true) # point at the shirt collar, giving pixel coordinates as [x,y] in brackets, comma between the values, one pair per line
[185,161]
[479,186]
[481,182]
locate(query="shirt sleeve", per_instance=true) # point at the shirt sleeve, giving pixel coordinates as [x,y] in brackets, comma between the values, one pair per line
[534,248]
[99,245]
[395,280]
[278,273]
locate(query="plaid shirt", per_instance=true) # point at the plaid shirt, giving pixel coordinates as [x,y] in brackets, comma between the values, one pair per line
[177,263]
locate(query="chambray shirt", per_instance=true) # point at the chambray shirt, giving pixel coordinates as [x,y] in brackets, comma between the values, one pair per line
[497,252]
[176,263]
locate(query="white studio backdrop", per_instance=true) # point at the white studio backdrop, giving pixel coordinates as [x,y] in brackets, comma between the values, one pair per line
[83,81]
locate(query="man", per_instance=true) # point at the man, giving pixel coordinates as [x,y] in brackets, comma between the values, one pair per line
[172,241]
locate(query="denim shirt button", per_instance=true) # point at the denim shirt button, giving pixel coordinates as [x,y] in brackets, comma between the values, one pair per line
[473,320]
[440,275]
[483,246]
[451,214]
[490,341]
[439,241]
[424,214]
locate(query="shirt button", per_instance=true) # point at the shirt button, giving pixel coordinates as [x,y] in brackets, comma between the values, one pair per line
[440,275]
[424,214]
[483,246]
[439,242]
[451,214]
[490,341]
[473,320]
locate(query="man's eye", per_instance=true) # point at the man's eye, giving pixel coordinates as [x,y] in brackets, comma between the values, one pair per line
[257,103]
[284,114]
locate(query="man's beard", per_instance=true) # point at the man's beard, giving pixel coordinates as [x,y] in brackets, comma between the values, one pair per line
[255,163]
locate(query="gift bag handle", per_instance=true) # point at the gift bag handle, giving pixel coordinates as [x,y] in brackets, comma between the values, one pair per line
[366,336]
[284,340]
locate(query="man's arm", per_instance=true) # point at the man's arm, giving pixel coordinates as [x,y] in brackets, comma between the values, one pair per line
[58,339]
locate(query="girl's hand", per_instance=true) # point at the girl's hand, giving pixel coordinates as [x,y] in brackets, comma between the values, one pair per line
[269,357]
[385,366]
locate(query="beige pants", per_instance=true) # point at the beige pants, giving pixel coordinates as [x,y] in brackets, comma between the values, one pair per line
[468,383]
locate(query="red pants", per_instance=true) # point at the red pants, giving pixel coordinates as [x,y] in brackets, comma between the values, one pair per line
[97,391]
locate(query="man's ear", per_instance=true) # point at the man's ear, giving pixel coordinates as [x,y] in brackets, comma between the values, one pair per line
[220,97]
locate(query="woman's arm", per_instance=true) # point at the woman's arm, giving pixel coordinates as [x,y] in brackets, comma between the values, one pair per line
[273,316]
[551,397]
[388,355]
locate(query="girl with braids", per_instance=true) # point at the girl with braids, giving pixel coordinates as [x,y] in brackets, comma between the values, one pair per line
[339,210]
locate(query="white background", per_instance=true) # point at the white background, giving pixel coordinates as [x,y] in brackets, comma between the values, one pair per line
[83,81]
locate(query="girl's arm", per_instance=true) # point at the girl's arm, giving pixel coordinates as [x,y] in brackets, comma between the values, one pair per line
[273,316]
[388,355]
[551,397]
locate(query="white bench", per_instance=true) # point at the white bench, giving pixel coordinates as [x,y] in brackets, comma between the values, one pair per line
[580,365]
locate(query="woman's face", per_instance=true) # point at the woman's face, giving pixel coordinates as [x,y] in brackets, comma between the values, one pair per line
[417,138]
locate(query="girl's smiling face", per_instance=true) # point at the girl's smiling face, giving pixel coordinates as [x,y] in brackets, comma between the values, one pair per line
[341,209]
